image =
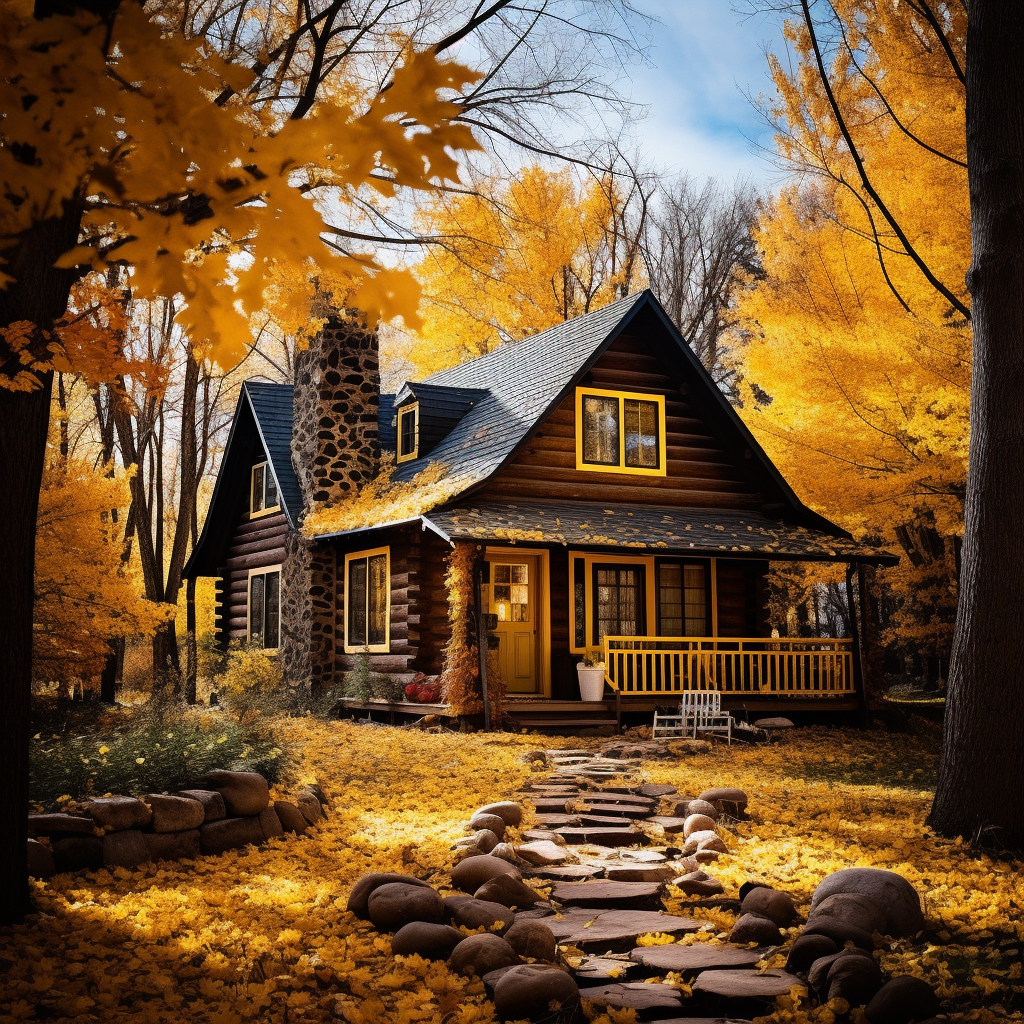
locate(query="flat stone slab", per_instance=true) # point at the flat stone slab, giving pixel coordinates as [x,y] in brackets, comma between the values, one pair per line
[701,956]
[542,852]
[668,822]
[614,930]
[613,895]
[746,984]
[597,970]
[643,856]
[602,836]
[552,805]
[609,795]
[637,995]
[565,872]
[639,872]
[557,819]
[619,810]
[537,835]
[604,821]
[657,789]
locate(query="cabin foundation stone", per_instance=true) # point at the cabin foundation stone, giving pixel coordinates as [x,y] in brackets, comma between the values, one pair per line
[308,613]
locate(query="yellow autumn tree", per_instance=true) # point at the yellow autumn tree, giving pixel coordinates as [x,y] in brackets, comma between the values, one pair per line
[856,362]
[518,256]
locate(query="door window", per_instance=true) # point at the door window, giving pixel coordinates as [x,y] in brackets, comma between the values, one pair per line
[618,601]
[510,591]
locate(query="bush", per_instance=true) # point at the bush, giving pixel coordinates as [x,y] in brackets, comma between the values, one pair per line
[163,746]
[362,683]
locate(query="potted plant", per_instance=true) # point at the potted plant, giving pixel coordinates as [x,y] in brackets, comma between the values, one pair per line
[591,673]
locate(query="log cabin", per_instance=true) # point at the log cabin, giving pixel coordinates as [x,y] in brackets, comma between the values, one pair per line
[614,502]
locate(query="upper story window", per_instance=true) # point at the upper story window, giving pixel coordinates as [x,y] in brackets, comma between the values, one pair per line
[263,496]
[368,600]
[620,432]
[408,432]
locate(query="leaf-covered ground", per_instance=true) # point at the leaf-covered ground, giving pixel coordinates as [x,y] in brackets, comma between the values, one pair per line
[263,934]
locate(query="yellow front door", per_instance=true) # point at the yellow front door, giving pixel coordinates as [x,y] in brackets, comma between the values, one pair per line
[512,595]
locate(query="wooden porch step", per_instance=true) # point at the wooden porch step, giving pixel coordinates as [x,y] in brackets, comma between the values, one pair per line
[566,723]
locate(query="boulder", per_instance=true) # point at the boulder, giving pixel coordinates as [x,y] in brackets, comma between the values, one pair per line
[40,860]
[394,904]
[508,891]
[468,875]
[806,950]
[494,822]
[484,840]
[173,845]
[244,793]
[290,817]
[697,883]
[706,856]
[901,1001]
[754,928]
[771,903]
[535,993]
[898,897]
[359,896]
[229,833]
[855,979]
[175,813]
[309,807]
[214,807]
[840,932]
[473,913]
[481,954]
[125,849]
[697,823]
[59,825]
[687,807]
[542,853]
[706,840]
[532,939]
[818,972]
[509,811]
[77,853]
[425,939]
[317,790]
[726,800]
[270,823]
[773,724]
[505,852]
[119,812]
[852,908]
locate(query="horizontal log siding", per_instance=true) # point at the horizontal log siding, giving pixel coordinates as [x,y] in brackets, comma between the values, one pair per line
[254,543]
[701,471]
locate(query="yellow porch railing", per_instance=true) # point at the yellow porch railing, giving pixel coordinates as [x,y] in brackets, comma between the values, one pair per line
[649,665]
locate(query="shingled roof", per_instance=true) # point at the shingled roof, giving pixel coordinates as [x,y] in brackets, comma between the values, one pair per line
[272,407]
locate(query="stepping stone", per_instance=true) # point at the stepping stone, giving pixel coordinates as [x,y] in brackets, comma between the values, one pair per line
[557,819]
[669,823]
[614,930]
[598,970]
[701,956]
[537,835]
[602,836]
[657,789]
[648,1000]
[565,872]
[643,856]
[551,805]
[746,984]
[622,810]
[613,895]
[542,852]
[608,795]
[603,821]
[639,872]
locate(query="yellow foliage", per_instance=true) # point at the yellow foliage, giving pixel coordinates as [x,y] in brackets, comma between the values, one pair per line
[84,596]
[205,199]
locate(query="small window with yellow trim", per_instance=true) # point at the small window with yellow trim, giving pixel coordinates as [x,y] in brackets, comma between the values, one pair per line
[408,433]
[368,601]
[263,496]
[620,432]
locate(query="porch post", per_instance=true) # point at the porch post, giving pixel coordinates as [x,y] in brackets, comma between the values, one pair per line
[858,668]
[714,597]
[869,623]
[481,635]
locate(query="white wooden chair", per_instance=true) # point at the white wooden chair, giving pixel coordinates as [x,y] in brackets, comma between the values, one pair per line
[704,709]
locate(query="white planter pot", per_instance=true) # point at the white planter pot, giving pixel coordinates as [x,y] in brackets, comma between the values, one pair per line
[591,682]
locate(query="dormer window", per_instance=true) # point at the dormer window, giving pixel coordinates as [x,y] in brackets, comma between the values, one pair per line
[620,432]
[408,432]
[263,497]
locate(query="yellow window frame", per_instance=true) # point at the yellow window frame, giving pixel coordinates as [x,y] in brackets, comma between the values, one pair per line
[271,509]
[264,570]
[385,647]
[589,558]
[622,396]
[413,409]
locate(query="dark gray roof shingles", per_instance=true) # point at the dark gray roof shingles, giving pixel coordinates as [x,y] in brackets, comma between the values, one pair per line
[272,407]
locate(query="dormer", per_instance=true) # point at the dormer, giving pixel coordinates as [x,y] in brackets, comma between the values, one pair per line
[425,414]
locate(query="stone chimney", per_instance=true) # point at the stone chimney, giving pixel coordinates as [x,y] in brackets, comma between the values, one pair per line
[335,442]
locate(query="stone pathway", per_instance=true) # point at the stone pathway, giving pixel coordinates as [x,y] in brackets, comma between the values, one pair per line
[601,851]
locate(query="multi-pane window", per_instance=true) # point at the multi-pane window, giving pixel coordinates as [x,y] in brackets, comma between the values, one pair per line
[367,587]
[263,492]
[510,597]
[620,432]
[682,600]
[618,601]
[265,608]
[408,433]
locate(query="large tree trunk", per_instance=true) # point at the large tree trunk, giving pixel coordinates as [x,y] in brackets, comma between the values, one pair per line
[982,774]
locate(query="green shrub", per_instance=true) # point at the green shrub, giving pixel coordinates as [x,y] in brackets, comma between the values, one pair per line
[362,683]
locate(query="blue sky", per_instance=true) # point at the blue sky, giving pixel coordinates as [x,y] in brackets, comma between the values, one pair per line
[705,57]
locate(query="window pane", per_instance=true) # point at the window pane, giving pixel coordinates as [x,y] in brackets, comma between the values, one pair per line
[272,604]
[618,597]
[503,600]
[579,588]
[357,602]
[520,573]
[378,600]
[503,574]
[256,609]
[670,600]
[408,432]
[696,601]
[271,489]
[256,501]
[601,430]
[641,432]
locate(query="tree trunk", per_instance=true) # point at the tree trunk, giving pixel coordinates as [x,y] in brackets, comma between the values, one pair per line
[981,776]
[191,654]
